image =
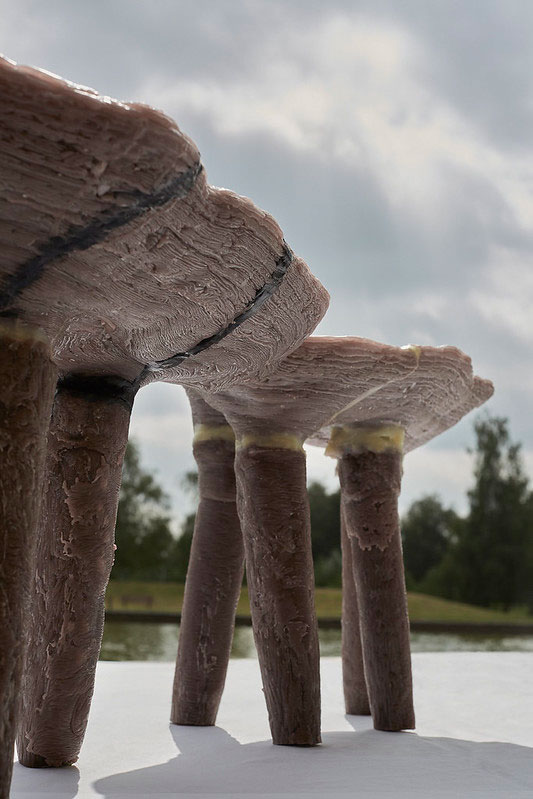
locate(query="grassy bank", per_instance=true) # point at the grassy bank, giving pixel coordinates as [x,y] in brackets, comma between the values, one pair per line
[168,597]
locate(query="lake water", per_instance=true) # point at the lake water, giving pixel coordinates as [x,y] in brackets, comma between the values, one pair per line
[146,641]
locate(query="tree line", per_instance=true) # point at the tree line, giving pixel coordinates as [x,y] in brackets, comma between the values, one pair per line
[146,547]
[484,557]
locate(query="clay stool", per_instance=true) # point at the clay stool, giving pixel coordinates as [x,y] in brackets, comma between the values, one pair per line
[134,269]
[325,380]
[369,438]
[271,420]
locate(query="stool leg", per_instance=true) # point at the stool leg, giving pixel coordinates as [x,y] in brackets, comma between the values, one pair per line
[353,672]
[274,511]
[212,589]
[86,445]
[370,484]
[28,380]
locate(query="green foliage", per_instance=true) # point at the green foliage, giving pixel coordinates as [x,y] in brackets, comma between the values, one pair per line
[486,558]
[427,530]
[492,555]
[146,548]
[441,580]
[190,483]
[325,534]
[182,548]
[168,598]
[328,570]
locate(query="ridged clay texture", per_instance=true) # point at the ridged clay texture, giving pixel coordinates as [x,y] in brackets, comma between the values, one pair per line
[28,382]
[353,672]
[370,486]
[115,245]
[274,513]
[86,444]
[328,383]
[280,583]
[335,381]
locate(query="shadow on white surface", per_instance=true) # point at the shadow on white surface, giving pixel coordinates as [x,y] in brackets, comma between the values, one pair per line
[210,762]
[55,783]
[474,740]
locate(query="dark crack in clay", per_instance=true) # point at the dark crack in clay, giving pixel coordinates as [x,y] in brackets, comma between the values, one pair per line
[96,231]
[118,249]
[262,295]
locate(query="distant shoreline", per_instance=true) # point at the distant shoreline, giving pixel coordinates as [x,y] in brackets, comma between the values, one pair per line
[334,623]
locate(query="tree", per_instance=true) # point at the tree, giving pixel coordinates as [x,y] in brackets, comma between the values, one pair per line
[182,546]
[144,540]
[492,557]
[325,534]
[182,549]
[427,531]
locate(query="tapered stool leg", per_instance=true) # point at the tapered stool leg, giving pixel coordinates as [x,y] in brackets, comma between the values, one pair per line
[213,585]
[370,484]
[86,445]
[274,512]
[353,672]
[27,385]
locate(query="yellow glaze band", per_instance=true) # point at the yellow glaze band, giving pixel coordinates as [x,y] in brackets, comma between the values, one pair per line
[414,348]
[272,441]
[213,432]
[382,438]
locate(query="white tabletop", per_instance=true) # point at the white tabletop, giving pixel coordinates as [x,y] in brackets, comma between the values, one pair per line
[474,739]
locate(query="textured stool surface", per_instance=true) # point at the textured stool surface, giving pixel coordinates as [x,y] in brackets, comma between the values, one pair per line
[345,380]
[116,246]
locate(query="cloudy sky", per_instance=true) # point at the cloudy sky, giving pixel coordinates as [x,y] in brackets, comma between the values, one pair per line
[391,140]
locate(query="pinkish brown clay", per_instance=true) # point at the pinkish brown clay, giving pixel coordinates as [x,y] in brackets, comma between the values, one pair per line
[350,395]
[28,382]
[214,576]
[86,444]
[133,269]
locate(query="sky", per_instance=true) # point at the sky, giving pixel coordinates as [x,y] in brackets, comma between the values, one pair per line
[392,141]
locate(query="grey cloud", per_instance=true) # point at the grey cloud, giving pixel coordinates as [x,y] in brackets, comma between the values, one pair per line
[162,398]
[169,466]
[113,44]
[480,55]
[341,220]
[481,60]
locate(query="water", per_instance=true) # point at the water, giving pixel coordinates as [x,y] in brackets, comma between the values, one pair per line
[147,641]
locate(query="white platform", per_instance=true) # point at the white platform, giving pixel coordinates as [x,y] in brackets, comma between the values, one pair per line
[474,739]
